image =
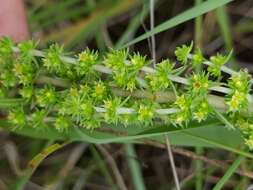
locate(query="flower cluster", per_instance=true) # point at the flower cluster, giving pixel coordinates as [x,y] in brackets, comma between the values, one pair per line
[64,91]
[53,61]
[246,126]
[217,62]
[125,68]
[86,60]
[182,53]
[159,80]
[240,86]
[199,84]
[184,104]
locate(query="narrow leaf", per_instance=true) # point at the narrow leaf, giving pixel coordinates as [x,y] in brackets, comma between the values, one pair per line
[181,18]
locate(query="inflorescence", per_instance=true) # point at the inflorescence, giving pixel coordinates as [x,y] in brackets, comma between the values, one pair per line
[90,89]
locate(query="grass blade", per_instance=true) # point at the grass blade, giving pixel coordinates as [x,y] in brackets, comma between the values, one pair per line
[132,27]
[134,168]
[223,119]
[223,22]
[33,164]
[181,18]
[228,173]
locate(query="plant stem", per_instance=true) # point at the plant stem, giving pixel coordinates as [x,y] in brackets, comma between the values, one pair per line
[134,167]
[160,96]
[174,78]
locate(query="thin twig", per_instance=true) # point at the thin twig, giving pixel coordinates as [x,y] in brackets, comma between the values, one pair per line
[152,24]
[172,163]
[194,156]
[74,156]
[114,167]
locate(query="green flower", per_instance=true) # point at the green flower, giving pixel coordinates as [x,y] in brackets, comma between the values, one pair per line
[217,62]
[61,123]
[249,142]
[125,71]
[91,124]
[165,67]
[202,111]
[25,72]
[99,91]
[245,126]
[53,61]
[182,53]
[181,117]
[17,117]
[87,110]
[125,80]
[47,96]
[184,115]
[73,104]
[116,59]
[131,84]
[199,84]
[8,79]
[127,119]
[183,102]
[240,82]
[197,58]
[84,90]
[37,118]
[159,80]
[237,101]
[137,62]
[86,59]
[240,85]
[6,46]
[78,105]
[26,92]
[26,49]
[146,112]
[111,106]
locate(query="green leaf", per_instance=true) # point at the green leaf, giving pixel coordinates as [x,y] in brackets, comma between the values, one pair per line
[228,173]
[181,18]
[208,134]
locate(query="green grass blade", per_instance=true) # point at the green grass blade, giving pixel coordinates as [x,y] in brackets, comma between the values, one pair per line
[226,31]
[223,119]
[198,28]
[198,33]
[228,173]
[20,183]
[134,167]
[132,27]
[87,28]
[181,18]
[224,24]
